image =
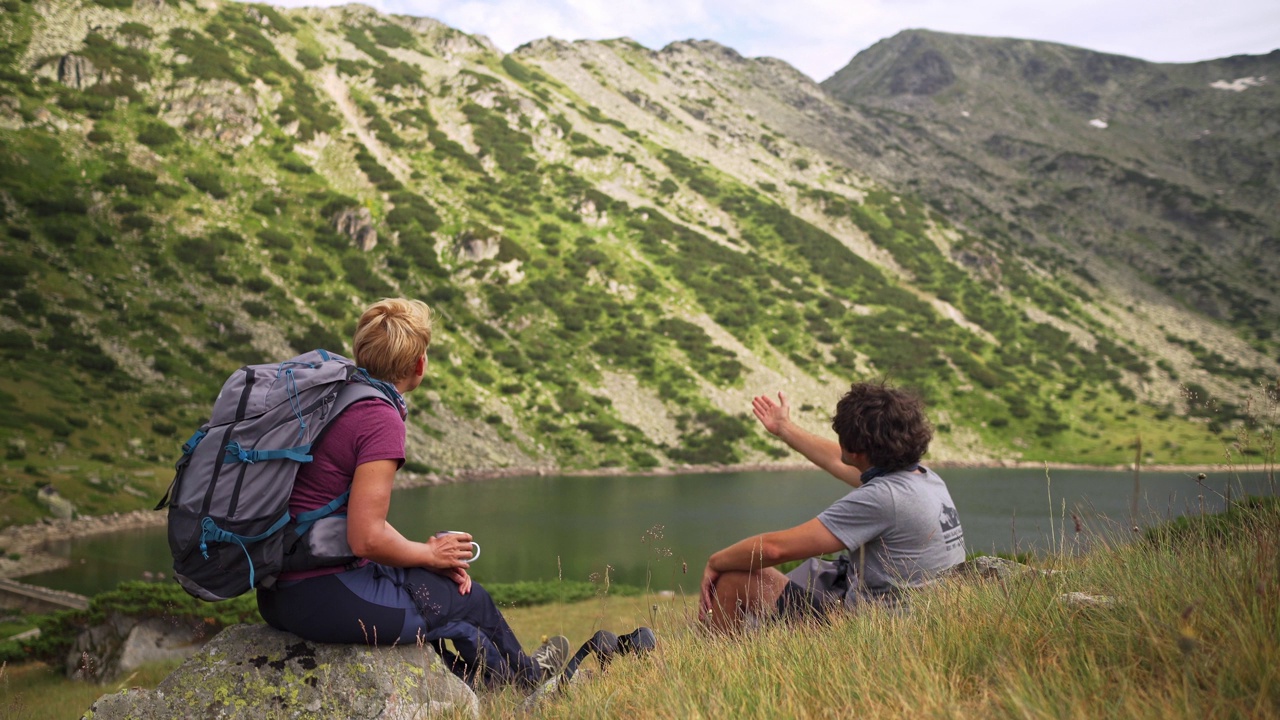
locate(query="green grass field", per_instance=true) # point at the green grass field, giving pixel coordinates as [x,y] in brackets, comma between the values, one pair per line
[1190,629]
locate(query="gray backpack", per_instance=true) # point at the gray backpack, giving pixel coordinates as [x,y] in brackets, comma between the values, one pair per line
[229,524]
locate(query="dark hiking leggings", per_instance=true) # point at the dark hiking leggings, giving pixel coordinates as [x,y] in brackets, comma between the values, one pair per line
[384,606]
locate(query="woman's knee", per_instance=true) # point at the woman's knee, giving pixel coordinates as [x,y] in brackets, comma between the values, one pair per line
[479,594]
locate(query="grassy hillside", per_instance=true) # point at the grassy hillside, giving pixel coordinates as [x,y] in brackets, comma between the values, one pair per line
[623,246]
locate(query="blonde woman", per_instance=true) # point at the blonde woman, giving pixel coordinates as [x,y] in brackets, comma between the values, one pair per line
[398,590]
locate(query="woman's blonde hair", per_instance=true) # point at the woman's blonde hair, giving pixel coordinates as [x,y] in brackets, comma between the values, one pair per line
[390,337]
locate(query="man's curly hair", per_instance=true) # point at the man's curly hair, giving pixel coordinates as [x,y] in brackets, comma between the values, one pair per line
[886,423]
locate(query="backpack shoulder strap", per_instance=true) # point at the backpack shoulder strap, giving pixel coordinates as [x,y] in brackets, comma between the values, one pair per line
[355,391]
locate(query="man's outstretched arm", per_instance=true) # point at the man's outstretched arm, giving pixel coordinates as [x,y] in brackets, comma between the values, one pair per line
[776,418]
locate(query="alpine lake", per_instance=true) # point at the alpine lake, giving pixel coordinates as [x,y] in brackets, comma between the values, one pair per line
[657,531]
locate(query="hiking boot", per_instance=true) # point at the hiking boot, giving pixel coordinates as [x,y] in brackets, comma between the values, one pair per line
[638,642]
[551,656]
[604,645]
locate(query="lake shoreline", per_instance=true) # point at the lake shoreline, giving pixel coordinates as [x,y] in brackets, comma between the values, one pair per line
[27,542]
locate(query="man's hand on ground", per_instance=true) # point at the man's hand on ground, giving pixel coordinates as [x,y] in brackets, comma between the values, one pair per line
[707,597]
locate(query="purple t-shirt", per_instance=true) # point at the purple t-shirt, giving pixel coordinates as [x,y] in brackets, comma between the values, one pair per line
[367,431]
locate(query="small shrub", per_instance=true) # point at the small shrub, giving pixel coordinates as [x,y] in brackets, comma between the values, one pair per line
[296,165]
[258,284]
[317,336]
[518,72]
[309,59]
[15,343]
[158,134]
[137,222]
[135,30]
[257,309]
[392,36]
[644,460]
[208,182]
[263,206]
[276,240]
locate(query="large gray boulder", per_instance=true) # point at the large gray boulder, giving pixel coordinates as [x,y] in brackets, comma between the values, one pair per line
[219,110]
[77,71]
[124,643]
[252,671]
[474,247]
[357,224]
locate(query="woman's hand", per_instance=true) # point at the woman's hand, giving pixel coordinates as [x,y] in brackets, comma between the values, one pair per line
[773,416]
[449,551]
[460,576]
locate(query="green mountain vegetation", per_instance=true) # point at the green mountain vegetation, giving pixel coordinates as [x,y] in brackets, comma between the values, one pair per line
[623,245]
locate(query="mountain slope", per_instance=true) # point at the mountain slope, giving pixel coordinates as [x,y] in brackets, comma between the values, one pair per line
[1167,170]
[623,246]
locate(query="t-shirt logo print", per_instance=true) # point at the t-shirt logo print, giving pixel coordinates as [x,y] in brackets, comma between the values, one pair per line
[952,533]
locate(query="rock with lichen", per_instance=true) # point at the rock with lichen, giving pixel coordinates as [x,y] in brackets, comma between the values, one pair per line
[357,224]
[990,567]
[253,671]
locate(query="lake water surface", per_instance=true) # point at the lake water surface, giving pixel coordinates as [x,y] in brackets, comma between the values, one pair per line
[646,530]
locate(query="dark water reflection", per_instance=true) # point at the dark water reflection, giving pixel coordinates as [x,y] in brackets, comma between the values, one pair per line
[647,530]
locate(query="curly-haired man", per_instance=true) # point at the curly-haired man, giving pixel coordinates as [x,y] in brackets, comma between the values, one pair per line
[898,528]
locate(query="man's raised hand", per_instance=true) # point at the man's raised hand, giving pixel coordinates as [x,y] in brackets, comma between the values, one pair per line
[773,416]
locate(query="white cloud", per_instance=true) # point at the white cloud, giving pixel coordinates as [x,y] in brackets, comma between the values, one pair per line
[820,36]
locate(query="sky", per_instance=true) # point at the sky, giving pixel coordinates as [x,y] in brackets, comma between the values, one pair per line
[819,37]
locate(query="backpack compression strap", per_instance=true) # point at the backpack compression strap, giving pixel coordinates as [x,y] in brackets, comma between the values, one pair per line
[307,519]
[236,453]
[210,532]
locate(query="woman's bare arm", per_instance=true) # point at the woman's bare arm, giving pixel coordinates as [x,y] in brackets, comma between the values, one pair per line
[372,537]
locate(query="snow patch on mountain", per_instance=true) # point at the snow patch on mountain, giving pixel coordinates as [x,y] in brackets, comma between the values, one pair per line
[1239,84]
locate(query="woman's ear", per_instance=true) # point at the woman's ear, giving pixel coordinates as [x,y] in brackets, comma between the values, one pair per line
[420,367]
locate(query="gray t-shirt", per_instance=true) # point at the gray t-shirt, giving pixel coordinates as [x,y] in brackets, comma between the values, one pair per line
[901,530]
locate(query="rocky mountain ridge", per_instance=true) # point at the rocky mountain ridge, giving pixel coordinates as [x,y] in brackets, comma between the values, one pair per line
[1168,169]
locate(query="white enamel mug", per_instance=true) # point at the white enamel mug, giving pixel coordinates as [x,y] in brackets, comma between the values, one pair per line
[475,546]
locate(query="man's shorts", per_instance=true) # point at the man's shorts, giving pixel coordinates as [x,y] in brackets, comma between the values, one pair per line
[814,588]
[796,603]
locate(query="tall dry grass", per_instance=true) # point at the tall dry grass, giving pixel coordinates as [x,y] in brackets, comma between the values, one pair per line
[1183,625]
